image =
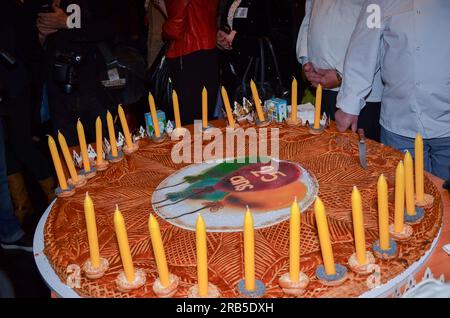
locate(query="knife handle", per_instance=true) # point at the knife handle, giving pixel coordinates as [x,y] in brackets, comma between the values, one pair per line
[362,136]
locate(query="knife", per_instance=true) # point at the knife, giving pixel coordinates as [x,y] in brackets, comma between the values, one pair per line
[362,148]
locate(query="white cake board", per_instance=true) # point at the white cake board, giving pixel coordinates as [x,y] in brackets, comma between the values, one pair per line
[62,290]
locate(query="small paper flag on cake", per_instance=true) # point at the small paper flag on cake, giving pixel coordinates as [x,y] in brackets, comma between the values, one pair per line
[106,146]
[91,153]
[169,127]
[142,132]
[120,140]
[77,159]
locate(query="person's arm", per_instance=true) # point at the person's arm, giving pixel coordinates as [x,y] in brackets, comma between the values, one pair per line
[175,24]
[302,39]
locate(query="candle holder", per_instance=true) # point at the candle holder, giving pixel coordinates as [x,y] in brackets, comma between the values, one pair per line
[60,193]
[129,150]
[90,174]
[332,280]
[159,139]
[385,254]
[290,287]
[80,183]
[262,124]
[213,292]
[316,131]
[178,132]
[428,201]
[117,158]
[125,286]
[93,272]
[365,269]
[209,126]
[404,235]
[169,291]
[102,166]
[259,291]
[294,123]
[416,218]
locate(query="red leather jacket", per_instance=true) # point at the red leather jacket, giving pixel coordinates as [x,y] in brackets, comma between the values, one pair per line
[191,26]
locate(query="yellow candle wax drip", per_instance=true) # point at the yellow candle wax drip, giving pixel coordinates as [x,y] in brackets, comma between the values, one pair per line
[294,243]
[57,163]
[358,227]
[418,160]
[318,109]
[202,256]
[91,226]
[124,248]
[226,102]
[112,134]
[324,237]
[399,197]
[158,250]
[294,100]
[151,102]
[204,108]
[67,157]
[409,184]
[126,130]
[176,109]
[383,213]
[83,147]
[99,140]
[249,251]
[257,101]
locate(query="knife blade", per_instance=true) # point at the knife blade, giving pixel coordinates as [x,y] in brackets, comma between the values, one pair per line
[362,148]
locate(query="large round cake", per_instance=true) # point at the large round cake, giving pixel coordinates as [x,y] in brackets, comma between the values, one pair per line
[326,163]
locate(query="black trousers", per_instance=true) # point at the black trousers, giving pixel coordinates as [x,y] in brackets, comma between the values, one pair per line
[369,118]
[189,73]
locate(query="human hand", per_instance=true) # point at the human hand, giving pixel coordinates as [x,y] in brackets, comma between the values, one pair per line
[48,23]
[345,121]
[311,74]
[329,79]
[222,41]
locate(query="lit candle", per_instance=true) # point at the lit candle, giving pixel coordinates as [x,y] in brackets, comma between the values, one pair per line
[83,147]
[409,184]
[204,108]
[418,160]
[383,213]
[91,226]
[57,163]
[126,130]
[151,101]
[294,243]
[67,157]
[258,106]
[294,100]
[99,140]
[358,227]
[112,134]
[226,101]
[202,256]
[158,250]
[399,197]
[124,248]
[324,237]
[176,109]
[249,251]
[318,107]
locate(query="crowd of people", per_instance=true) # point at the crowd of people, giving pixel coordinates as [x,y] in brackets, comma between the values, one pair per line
[391,79]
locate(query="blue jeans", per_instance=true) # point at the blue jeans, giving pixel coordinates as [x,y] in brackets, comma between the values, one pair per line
[10,229]
[436,151]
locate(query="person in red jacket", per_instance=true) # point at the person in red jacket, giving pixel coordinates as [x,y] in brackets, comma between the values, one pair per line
[191,29]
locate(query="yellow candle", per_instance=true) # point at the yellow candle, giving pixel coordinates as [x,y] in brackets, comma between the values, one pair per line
[83,147]
[112,134]
[383,213]
[399,197]
[91,226]
[158,250]
[176,109]
[202,256]
[324,237]
[204,108]
[358,227]
[226,102]
[99,140]
[126,130]
[294,100]
[57,163]
[318,107]
[418,160]
[257,101]
[124,248]
[294,242]
[151,101]
[67,157]
[409,184]
[249,251]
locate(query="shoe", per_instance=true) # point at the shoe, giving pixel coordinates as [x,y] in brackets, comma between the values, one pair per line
[24,244]
[19,194]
